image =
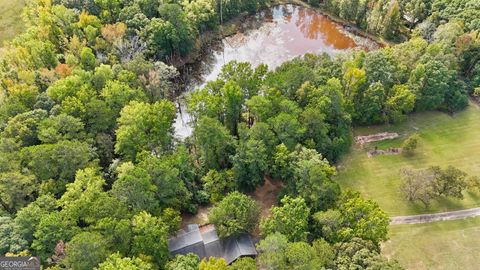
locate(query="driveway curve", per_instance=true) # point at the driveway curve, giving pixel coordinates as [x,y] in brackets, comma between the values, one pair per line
[452,215]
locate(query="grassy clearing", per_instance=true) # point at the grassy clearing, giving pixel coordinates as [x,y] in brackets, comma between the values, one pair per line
[444,140]
[438,245]
[11,22]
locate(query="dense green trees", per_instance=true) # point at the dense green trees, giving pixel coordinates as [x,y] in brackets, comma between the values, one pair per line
[23,128]
[213,264]
[169,179]
[291,219]
[217,184]
[135,188]
[250,164]
[59,128]
[380,17]
[52,228]
[311,179]
[235,214]
[360,225]
[116,262]
[145,127]
[430,82]
[12,240]
[56,164]
[213,143]
[163,38]
[415,10]
[224,98]
[17,190]
[464,10]
[244,263]
[150,238]
[361,254]
[85,251]
[183,262]
[275,252]
[355,217]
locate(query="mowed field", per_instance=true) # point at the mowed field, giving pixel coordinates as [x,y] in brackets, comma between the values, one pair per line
[11,22]
[445,245]
[444,140]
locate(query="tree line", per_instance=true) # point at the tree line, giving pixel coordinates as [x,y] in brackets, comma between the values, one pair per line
[392,19]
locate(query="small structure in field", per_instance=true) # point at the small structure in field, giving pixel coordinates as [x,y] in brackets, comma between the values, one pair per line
[389,151]
[205,243]
[376,137]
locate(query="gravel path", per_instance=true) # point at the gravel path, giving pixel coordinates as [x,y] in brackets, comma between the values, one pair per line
[472,212]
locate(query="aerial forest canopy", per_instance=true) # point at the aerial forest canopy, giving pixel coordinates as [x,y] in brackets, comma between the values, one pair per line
[93,176]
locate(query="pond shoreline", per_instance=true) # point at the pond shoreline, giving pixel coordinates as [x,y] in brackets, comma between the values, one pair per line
[209,40]
[234,26]
[271,36]
[348,26]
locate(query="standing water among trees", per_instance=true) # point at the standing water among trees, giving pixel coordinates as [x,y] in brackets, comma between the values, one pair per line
[275,35]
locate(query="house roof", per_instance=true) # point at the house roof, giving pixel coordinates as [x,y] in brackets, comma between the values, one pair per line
[185,238]
[238,247]
[205,243]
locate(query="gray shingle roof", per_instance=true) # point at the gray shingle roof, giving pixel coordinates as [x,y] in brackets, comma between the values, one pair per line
[237,247]
[207,244]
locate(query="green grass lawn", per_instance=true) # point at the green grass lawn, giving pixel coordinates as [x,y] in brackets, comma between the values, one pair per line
[444,140]
[11,22]
[439,245]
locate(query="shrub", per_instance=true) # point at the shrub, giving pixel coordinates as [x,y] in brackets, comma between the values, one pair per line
[410,144]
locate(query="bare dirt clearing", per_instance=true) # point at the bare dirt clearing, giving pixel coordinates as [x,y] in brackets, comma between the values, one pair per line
[376,137]
[266,195]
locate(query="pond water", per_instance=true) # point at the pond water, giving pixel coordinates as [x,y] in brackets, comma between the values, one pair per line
[274,36]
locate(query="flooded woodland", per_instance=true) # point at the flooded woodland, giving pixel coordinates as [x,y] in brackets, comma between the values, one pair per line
[271,37]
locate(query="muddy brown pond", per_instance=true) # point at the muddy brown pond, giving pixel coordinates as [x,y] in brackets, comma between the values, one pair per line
[274,36]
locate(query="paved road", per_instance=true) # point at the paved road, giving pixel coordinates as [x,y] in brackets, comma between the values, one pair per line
[472,212]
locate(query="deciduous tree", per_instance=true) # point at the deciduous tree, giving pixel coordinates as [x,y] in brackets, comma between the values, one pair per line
[217,184]
[244,263]
[16,190]
[23,128]
[214,143]
[312,179]
[134,187]
[363,218]
[410,144]
[417,186]
[183,262]
[85,251]
[213,264]
[250,164]
[143,126]
[235,214]
[60,127]
[290,219]
[116,262]
[150,238]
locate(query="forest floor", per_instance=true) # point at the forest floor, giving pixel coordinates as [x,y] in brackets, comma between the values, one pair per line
[444,140]
[265,196]
[11,23]
[453,244]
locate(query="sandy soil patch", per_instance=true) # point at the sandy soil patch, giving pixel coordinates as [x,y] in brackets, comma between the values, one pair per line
[376,137]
